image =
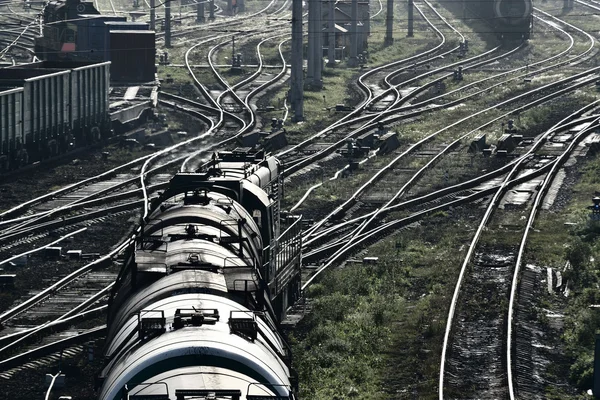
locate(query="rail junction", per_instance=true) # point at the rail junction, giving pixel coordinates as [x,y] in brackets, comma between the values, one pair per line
[403,173]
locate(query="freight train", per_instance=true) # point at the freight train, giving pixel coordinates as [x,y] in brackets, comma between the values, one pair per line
[195,310]
[48,108]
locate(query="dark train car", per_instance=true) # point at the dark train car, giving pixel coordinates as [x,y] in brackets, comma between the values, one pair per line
[132,52]
[11,126]
[47,108]
[195,309]
[75,31]
[92,35]
[510,20]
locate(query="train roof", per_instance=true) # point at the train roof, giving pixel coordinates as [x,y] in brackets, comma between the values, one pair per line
[15,78]
[57,65]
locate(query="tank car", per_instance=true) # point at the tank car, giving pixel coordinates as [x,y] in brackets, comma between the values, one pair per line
[508,19]
[195,310]
[513,18]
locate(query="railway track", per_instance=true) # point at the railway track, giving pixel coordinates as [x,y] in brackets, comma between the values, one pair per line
[83,195]
[486,278]
[408,154]
[384,97]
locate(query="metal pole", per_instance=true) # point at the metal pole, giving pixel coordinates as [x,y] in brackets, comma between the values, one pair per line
[353,60]
[167,24]
[318,57]
[211,11]
[200,11]
[410,18]
[389,23]
[297,78]
[331,38]
[152,15]
[310,65]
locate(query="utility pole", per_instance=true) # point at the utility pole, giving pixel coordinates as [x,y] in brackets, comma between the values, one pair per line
[331,38]
[310,66]
[200,11]
[410,18]
[353,60]
[297,78]
[167,24]
[152,15]
[389,23]
[318,50]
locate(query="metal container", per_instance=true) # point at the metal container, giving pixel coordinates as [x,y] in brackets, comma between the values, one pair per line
[89,94]
[92,36]
[46,105]
[45,100]
[11,121]
[133,56]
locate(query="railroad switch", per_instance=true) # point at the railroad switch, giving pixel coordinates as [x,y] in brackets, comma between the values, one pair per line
[458,76]
[164,58]
[236,63]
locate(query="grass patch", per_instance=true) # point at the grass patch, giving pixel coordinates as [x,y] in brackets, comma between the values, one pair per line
[376,330]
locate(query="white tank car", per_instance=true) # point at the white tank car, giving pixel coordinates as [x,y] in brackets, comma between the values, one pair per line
[196,307]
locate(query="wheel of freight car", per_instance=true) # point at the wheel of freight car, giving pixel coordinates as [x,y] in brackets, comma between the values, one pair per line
[22,158]
[67,143]
[4,165]
[52,148]
[95,135]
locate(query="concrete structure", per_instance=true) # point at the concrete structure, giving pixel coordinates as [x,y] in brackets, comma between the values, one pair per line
[331,42]
[314,79]
[342,27]
[297,80]
[389,23]
[152,15]
[168,25]
[200,12]
[353,60]
[410,18]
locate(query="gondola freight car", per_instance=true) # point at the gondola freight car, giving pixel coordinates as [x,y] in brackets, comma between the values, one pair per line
[194,311]
[49,108]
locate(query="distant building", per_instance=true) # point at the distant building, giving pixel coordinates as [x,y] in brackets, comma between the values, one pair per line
[343,25]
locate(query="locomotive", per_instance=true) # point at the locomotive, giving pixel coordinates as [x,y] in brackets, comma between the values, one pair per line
[195,310]
[508,19]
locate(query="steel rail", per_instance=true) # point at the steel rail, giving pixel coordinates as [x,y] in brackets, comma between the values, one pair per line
[334,258]
[528,227]
[347,119]
[489,210]
[5,316]
[430,137]
[470,184]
